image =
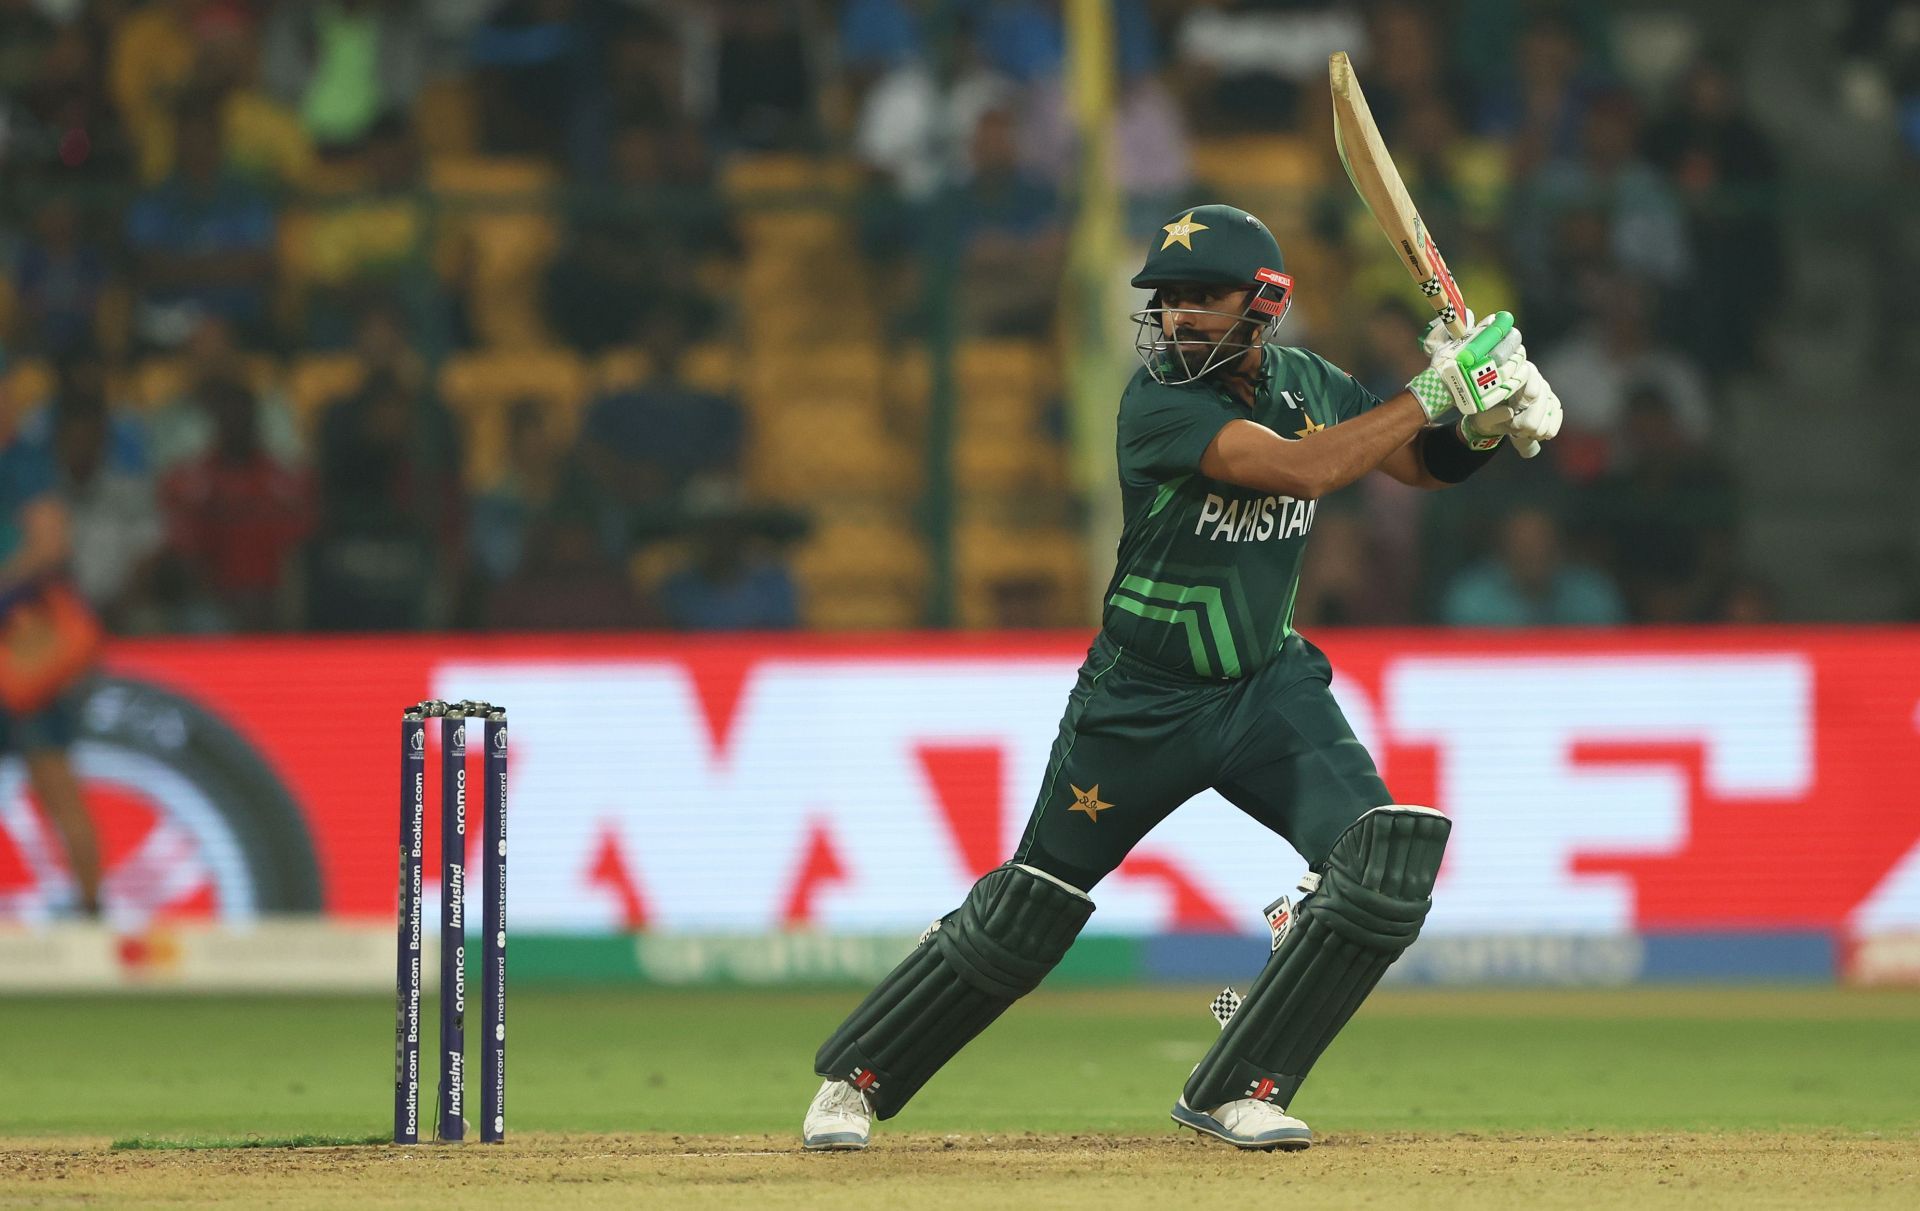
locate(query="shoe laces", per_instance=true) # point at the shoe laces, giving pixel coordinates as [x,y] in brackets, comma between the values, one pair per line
[843,1096]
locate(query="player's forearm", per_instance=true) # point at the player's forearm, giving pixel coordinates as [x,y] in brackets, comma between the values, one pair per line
[1255,457]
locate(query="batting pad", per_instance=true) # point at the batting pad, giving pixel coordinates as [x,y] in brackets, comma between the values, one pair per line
[1372,898]
[1013,928]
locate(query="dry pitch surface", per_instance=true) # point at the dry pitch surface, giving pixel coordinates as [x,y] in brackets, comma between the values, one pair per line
[1700,1172]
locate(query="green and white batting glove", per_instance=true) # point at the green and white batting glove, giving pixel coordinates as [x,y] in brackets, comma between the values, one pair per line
[1472,374]
[1531,413]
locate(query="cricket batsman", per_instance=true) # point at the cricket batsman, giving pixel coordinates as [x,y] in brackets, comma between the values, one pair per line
[1197,679]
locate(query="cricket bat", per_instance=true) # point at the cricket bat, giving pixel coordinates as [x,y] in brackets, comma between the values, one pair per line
[1378,183]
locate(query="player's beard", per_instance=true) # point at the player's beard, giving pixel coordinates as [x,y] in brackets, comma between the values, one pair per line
[1194,349]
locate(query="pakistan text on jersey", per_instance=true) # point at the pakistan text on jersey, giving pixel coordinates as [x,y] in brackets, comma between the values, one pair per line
[1256,518]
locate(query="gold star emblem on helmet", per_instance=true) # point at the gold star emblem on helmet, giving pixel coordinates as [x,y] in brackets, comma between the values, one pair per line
[1088,801]
[1180,232]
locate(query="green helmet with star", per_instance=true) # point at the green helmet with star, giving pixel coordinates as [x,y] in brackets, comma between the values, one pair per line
[1216,244]
[1213,245]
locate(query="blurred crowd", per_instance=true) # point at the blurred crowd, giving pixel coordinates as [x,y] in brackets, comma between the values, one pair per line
[250,315]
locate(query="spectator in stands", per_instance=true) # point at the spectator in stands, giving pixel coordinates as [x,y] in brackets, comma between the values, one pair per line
[535,67]
[1614,350]
[265,140]
[27,36]
[1539,99]
[646,72]
[391,517]
[1012,237]
[644,449]
[61,121]
[85,376]
[1344,583]
[505,513]
[916,118]
[1246,64]
[765,84]
[1646,228]
[879,36]
[1727,174]
[112,518]
[633,254]
[1664,517]
[568,583]
[1749,601]
[1557,292]
[236,516]
[184,427]
[372,245]
[345,63]
[1404,69]
[1530,582]
[1149,141]
[1391,511]
[35,547]
[202,241]
[384,344]
[733,582]
[59,280]
[150,65]
[1026,40]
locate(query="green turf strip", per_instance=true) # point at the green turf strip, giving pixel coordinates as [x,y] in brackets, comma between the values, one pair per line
[147,1143]
[235,1068]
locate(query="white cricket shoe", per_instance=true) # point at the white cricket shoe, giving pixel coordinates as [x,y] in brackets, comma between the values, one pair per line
[1253,1125]
[838,1120]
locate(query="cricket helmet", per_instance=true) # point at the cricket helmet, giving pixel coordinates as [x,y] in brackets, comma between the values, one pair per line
[1216,245]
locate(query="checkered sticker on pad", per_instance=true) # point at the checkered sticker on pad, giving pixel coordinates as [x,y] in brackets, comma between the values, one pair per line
[1225,1003]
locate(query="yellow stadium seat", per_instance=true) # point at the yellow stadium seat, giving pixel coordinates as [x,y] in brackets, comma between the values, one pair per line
[480,387]
[829,452]
[319,379]
[158,380]
[858,606]
[712,366]
[495,377]
[790,232]
[512,247]
[783,172]
[498,212]
[1006,366]
[1046,565]
[620,370]
[1267,162]
[863,575]
[294,242]
[479,178]
[874,547]
[850,372]
[999,462]
[24,385]
[447,115]
[1003,410]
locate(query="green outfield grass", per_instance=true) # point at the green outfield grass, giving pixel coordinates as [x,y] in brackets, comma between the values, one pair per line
[1103,1061]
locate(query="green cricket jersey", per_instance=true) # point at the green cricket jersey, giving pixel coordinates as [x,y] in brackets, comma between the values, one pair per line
[1207,571]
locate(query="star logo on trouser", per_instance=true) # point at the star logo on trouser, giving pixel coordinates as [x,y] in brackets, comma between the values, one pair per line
[1088,801]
